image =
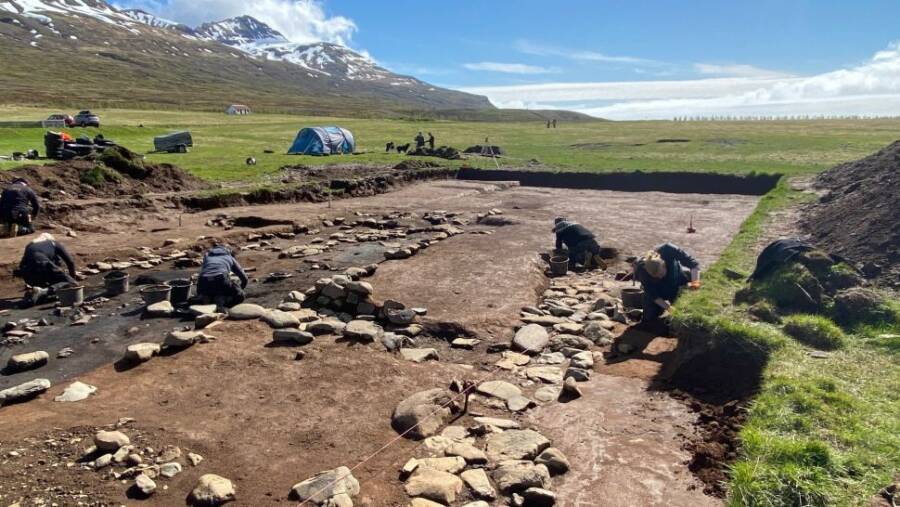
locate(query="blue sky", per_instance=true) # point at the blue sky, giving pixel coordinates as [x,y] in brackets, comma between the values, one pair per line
[615,58]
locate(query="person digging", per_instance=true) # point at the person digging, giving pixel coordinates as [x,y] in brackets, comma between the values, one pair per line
[580,242]
[215,285]
[41,269]
[19,205]
[662,272]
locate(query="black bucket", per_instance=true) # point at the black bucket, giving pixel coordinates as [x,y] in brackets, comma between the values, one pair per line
[632,297]
[116,283]
[155,293]
[181,291]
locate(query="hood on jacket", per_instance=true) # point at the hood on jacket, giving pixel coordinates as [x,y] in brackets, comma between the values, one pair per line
[219,250]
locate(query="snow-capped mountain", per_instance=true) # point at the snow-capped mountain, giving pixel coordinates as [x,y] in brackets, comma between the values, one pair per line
[155,21]
[242,32]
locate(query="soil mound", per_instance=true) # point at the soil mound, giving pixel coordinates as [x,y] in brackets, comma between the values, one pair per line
[445,152]
[859,217]
[116,171]
[486,150]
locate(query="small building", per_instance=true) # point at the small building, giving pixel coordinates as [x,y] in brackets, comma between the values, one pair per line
[239,109]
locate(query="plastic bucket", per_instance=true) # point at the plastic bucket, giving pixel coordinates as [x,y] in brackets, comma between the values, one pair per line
[181,291]
[71,295]
[155,293]
[116,283]
[632,297]
[559,265]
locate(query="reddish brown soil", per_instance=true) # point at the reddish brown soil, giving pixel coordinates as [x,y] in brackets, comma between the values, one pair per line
[267,421]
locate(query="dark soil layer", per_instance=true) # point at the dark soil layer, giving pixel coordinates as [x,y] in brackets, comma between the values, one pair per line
[636,181]
[319,191]
[859,217]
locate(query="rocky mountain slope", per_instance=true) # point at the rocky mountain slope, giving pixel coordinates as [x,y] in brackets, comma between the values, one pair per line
[86,53]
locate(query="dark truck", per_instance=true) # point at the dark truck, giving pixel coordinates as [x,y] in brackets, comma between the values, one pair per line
[177,142]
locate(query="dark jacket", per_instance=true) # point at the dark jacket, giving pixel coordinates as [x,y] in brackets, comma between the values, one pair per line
[573,235]
[778,253]
[677,260]
[16,199]
[420,141]
[218,262]
[38,255]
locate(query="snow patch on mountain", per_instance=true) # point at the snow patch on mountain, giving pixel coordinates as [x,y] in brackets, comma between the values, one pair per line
[96,9]
[155,21]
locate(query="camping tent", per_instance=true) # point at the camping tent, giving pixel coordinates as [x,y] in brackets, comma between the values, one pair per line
[323,141]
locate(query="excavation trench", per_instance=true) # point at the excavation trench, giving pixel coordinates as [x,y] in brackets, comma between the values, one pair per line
[333,408]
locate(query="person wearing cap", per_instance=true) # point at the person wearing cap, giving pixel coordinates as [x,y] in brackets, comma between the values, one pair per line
[18,207]
[41,268]
[214,284]
[579,241]
[662,272]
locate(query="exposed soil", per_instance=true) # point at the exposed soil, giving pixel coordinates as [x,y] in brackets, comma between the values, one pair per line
[862,198]
[333,408]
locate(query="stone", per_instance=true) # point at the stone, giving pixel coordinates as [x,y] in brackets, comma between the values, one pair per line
[212,490]
[546,374]
[277,319]
[543,320]
[449,464]
[419,355]
[499,389]
[512,359]
[141,352]
[289,306]
[331,488]
[326,326]
[547,394]
[518,476]
[477,481]
[76,391]
[110,441]
[434,485]
[569,341]
[515,445]
[423,502]
[479,503]
[144,485]
[414,414]
[245,311]
[333,291]
[194,458]
[571,389]
[465,343]
[503,424]
[471,454]
[182,339]
[401,317]
[597,333]
[538,497]
[197,310]
[519,403]
[568,328]
[161,309]
[205,320]
[531,339]
[362,330]
[169,453]
[24,391]
[582,360]
[578,374]
[121,455]
[28,361]
[455,433]
[555,461]
[362,288]
[103,461]
[292,336]
[550,358]
[305,315]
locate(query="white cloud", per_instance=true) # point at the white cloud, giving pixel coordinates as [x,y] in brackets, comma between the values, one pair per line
[870,88]
[303,21]
[737,70]
[531,48]
[508,68]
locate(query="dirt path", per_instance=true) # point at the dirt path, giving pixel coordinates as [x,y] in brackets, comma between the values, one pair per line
[267,421]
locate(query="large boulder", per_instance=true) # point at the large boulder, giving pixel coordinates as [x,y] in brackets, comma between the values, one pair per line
[434,485]
[24,391]
[517,476]
[516,445]
[246,311]
[422,414]
[531,339]
[328,487]
[212,490]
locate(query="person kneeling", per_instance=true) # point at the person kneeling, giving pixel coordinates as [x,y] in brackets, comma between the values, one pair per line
[40,268]
[215,284]
[662,272]
[581,243]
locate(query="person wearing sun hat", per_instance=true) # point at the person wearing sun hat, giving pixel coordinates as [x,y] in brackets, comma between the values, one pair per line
[662,272]
[580,242]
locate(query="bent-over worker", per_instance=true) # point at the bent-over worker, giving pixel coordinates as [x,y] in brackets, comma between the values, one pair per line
[18,207]
[581,243]
[215,284]
[41,269]
[662,272]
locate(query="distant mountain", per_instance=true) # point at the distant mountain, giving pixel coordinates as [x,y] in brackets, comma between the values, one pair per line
[87,52]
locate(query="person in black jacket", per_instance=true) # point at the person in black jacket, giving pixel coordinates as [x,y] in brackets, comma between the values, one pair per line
[215,284]
[580,242]
[420,141]
[430,140]
[41,269]
[662,272]
[19,205]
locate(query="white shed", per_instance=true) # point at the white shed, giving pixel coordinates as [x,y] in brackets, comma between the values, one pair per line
[237,109]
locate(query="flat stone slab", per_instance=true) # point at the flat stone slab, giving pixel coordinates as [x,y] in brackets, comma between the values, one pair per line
[76,391]
[24,391]
[499,389]
[419,355]
[546,374]
[324,486]
[246,311]
[516,445]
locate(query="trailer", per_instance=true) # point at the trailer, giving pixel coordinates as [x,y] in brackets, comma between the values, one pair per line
[177,142]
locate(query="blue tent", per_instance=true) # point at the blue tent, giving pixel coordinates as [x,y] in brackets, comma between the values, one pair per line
[323,141]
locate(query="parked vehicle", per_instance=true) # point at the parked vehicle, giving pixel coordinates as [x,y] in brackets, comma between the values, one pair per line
[67,119]
[177,142]
[87,119]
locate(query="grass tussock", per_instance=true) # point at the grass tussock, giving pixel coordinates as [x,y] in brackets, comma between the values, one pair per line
[816,331]
[98,176]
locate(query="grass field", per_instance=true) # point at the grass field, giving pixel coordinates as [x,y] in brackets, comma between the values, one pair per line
[223,143]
